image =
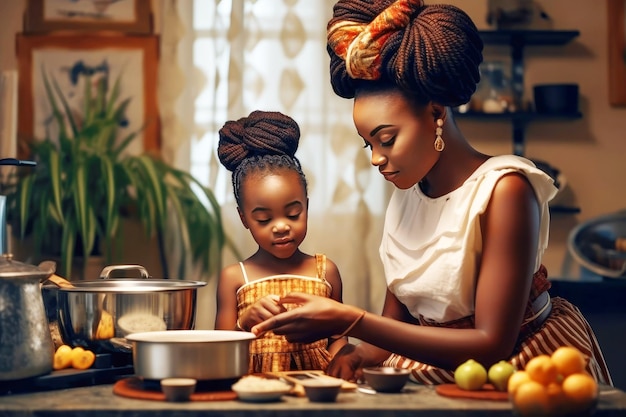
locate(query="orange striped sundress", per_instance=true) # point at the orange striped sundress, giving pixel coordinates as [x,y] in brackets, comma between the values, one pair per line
[273,353]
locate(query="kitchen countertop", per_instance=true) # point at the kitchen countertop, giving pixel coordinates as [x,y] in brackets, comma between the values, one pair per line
[414,401]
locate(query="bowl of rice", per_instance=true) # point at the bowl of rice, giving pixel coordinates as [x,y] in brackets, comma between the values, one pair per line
[260,389]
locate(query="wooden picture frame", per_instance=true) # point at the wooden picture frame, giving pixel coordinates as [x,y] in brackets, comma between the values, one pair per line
[126,16]
[616,10]
[133,60]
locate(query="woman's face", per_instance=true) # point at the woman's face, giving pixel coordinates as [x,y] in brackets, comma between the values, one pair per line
[399,134]
[275,210]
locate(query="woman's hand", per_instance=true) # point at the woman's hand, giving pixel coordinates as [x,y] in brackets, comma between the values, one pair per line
[263,309]
[346,364]
[313,318]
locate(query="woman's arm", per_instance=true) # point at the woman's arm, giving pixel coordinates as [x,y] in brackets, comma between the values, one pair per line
[510,235]
[373,355]
[348,362]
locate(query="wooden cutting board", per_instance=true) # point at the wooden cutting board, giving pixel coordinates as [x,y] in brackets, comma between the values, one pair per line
[296,377]
[488,392]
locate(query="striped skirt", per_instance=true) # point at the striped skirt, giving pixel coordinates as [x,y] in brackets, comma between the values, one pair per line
[565,326]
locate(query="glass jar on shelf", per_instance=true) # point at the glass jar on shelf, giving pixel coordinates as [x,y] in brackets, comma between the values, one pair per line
[494,93]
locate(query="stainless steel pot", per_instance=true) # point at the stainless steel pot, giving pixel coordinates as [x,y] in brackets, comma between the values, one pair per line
[198,354]
[99,314]
[26,348]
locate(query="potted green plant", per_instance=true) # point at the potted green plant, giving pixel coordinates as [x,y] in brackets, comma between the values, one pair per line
[85,183]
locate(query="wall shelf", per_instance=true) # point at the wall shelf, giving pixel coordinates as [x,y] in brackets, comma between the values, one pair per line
[519,38]
[517,41]
[524,117]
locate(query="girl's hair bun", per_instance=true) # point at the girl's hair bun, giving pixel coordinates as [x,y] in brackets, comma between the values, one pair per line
[261,133]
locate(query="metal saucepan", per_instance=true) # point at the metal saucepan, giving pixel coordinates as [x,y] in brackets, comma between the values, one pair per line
[99,314]
[198,354]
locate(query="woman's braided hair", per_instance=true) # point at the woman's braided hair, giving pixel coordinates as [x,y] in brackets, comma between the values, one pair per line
[263,142]
[430,52]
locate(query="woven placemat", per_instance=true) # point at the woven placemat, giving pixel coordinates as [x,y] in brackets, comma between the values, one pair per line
[488,392]
[134,387]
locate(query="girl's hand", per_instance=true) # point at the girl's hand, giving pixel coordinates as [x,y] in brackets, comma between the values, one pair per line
[313,318]
[263,309]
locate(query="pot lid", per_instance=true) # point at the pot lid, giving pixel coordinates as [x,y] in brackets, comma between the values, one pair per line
[129,285]
[11,268]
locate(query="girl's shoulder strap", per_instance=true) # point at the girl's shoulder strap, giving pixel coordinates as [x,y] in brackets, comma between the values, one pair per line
[243,271]
[320,265]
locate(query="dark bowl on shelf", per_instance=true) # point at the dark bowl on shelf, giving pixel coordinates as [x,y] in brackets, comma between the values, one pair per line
[556,98]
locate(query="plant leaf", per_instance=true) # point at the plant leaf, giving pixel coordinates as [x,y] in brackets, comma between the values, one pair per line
[68,110]
[115,93]
[81,204]
[154,186]
[68,243]
[53,104]
[108,176]
[24,202]
[55,180]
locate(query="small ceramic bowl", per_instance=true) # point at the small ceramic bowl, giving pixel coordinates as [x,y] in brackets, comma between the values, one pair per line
[322,391]
[386,379]
[178,389]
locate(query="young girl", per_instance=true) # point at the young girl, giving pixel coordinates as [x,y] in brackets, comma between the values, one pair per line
[464,232]
[271,194]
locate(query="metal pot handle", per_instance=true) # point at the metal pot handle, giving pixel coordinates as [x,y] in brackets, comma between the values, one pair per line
[106,271]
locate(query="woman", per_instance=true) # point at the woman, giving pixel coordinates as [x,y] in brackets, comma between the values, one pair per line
[464,232]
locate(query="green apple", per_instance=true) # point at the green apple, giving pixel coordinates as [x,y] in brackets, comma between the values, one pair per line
[470,375]
[499,374]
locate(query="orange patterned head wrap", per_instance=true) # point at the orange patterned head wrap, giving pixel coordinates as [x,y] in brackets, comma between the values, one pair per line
[430,52]
[360,44]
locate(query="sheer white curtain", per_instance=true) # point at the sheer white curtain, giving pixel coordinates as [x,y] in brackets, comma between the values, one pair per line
[223,59]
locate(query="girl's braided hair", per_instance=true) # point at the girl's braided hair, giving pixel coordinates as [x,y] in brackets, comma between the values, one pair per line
[430,52]
[263,142]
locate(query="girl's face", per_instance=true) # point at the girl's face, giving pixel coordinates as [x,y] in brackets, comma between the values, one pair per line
[399,134]
[275,210]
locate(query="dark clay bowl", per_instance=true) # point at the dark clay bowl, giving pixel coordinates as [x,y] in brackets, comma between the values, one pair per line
[386,379]
[322,391]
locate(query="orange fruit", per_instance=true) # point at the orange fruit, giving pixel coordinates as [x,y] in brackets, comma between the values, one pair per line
[77,351]
[556,398]
[531,399]
[83,359]
[541,369]
[580,390]
[62,357]
[568,360]
[518,378]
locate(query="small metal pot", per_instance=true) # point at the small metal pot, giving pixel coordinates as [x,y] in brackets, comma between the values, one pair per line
[197,354]
[99,314]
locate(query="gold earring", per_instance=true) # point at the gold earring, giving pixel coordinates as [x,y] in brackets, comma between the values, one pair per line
[439,143]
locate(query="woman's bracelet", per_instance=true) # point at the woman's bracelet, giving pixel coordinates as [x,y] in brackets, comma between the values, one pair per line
[351,326]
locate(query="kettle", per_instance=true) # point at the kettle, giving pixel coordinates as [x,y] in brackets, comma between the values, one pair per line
[26,348]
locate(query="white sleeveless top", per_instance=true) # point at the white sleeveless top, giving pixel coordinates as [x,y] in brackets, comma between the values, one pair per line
[431,246]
